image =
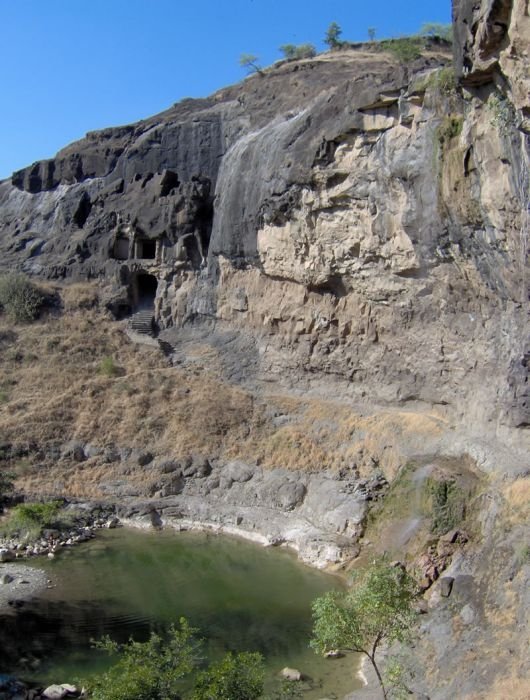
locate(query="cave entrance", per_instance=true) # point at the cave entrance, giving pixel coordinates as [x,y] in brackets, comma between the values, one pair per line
[121,248]
[146,248]
[144,290]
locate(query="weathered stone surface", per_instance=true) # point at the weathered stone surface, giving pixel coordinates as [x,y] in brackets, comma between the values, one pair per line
[291,674]
[375,246]
[491,43]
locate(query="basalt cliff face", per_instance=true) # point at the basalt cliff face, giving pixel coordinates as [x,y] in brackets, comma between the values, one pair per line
[363,221]
[335,254]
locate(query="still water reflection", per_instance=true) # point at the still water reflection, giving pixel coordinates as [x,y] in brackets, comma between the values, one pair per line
[127,583]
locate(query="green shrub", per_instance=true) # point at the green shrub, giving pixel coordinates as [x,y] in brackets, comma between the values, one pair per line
[235,677]
[108,367]
[293,52]
[448,506]
[20,298]
[160,669]
[450,128]
[27,520]
[442,80]
[405,49]
[151,670]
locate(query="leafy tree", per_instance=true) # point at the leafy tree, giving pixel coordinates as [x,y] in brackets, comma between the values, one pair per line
[288,50]
[332,36]
[150,670]
[235,677]
[250,62]
[376,610]
[159,669]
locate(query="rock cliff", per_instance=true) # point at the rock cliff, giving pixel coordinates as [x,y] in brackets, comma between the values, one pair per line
[364,220]
[347,230]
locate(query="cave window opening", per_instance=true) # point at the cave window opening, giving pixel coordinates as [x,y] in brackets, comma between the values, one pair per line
[144,290]
[121,248]
[146,249]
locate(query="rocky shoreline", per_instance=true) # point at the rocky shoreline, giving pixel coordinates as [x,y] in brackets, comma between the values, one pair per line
[19,582]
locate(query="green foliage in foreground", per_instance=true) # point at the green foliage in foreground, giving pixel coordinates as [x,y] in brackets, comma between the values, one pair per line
[235,677]
[20,298]
[151,670]
[161,668]
[377,610]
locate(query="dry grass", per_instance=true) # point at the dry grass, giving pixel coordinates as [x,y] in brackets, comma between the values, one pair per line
[53,392]
[517,496]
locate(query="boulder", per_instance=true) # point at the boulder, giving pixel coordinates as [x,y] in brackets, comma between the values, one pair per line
[291,674]
[55,692]
[6,578]
[6,555]
[446,586]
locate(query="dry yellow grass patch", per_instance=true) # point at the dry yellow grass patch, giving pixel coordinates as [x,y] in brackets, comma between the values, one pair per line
[76,376]
[517,496]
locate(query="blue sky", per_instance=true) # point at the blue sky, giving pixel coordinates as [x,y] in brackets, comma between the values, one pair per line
[71,66]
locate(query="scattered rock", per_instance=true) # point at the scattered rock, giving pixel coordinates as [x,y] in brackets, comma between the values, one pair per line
[6,555]
[112,523]
[291,674]
[446,586]
[334,654]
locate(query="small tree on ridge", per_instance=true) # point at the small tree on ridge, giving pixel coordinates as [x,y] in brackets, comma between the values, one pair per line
[377,610]
[332,36]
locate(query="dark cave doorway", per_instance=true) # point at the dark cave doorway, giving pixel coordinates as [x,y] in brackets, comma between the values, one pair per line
[144,288]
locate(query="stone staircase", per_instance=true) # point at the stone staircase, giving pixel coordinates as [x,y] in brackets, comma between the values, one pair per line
[142,322]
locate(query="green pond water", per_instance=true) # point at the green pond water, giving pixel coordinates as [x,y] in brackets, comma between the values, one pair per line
[126,583]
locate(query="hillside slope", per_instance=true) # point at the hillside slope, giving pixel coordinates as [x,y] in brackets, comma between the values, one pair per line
[335,253]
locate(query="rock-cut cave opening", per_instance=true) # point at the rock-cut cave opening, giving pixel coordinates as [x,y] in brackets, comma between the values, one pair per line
[144,288]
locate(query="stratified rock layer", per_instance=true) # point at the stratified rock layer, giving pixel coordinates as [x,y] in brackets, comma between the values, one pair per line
[361,221]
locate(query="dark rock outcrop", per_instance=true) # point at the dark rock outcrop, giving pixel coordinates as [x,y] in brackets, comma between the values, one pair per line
[360,220]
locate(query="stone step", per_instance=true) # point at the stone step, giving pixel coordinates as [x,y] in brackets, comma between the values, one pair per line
[142,322]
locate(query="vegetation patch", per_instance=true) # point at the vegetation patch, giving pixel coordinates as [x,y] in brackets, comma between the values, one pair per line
[108,367]
[377,610]
[169,668]
[20,298]
[405,49]
[502,111]
[441,81]
[448,506]
[28,520]
[449,129]
[292,52]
